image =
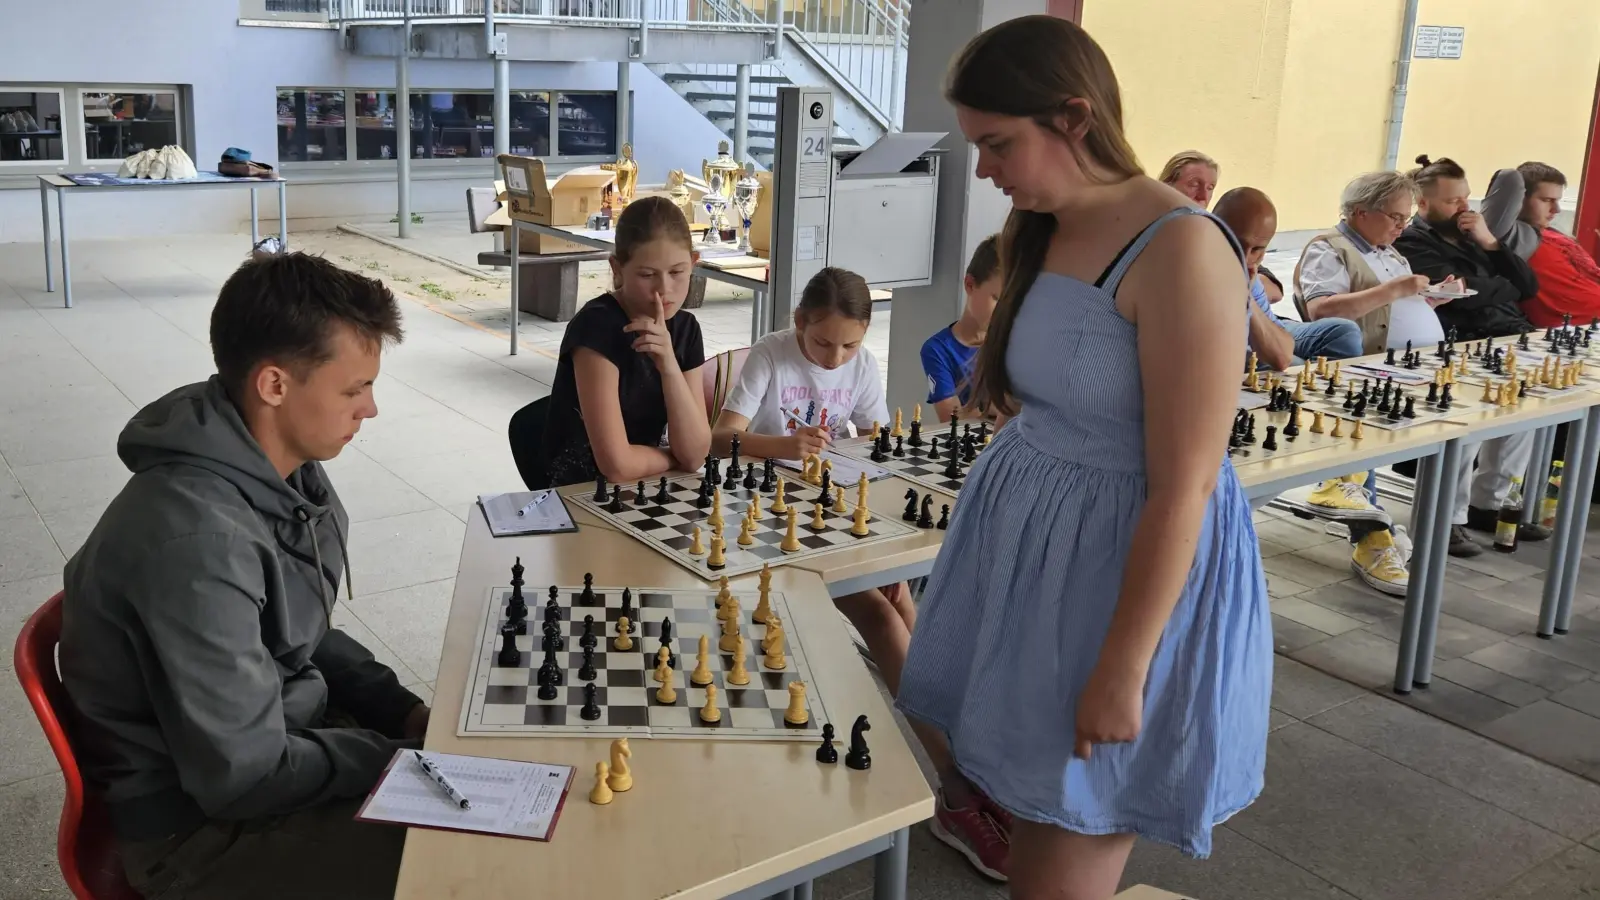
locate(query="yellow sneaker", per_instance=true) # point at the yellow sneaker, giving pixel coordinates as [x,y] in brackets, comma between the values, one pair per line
[1343,499]
[1380,564]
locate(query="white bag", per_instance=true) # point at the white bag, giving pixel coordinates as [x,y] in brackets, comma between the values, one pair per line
[169,162]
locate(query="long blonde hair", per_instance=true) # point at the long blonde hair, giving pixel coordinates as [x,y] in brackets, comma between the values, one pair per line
[1169,172]
[1032,67]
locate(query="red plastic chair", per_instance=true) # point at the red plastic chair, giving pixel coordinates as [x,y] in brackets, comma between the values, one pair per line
[85,848]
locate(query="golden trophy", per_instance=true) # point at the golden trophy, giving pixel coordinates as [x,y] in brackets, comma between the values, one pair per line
[627,172]
[678,193]
[721,175]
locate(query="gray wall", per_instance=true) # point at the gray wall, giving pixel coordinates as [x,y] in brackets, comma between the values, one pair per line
[235,72]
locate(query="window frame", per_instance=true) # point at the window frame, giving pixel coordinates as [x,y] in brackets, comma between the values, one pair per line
[66,133]
[177,115]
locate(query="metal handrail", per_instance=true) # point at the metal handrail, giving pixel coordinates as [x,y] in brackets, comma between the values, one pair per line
[606,13]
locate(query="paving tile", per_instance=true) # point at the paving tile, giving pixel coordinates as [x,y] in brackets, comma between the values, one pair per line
[1289,635]
[934,872]
[71,527]
[1481,609]
[1293,533]
[1319,617]
[73,483]
[1499,565]
[64,433]
[1360,657]
[18,601]
[1299,569]
[1455,637]
[1239,869]
[1472,581]
[1454,703]
[13,499]
[390,438]
[26,549]
[1279,586]
[347,622]
[1276,719]
[401,551]
[1357,601]
[1302,692]
[1530,666]
[1568,648]
[29,811]
[1487,681]
[1573,873]
[454,480]
[1584,698]
[1270,549]
[1380,830]
[1536,791]
[370,491]
[1553,733]
[410,621]
[24,752]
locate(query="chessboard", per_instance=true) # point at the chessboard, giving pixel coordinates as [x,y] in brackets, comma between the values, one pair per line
[619,687]
[925,460]
[1264,433]
[665,518]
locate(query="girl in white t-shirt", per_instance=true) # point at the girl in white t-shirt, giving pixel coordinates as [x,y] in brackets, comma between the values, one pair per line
[798,389]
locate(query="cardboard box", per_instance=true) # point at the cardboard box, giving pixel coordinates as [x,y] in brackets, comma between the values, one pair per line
[1146,892]
[530,196]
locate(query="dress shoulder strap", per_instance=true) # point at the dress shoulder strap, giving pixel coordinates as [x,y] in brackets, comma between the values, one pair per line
[1114,273]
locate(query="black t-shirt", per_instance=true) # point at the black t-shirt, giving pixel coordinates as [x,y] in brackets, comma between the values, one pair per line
[598,326]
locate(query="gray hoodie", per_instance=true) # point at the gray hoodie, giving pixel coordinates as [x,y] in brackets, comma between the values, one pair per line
[195,639]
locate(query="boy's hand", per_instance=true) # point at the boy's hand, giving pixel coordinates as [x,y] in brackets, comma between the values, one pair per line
[807,440]
[652,338]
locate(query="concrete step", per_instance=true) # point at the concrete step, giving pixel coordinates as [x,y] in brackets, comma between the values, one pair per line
[718,114]
[714,96]
[688,77]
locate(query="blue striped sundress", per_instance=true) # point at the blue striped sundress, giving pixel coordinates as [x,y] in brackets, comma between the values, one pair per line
[1021,598]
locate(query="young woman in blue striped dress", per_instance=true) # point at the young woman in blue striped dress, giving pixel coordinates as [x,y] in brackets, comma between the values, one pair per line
[1095,643]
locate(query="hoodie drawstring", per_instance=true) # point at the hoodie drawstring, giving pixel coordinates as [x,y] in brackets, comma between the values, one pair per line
[316,554]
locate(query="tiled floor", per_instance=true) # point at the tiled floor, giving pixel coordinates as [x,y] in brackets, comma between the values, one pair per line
[1482,787]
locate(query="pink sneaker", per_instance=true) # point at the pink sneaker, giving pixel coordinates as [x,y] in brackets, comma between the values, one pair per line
[974,834]
[1000,815]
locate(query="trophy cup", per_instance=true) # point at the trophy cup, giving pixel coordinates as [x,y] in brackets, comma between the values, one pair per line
[721,174]
[745,192]
[716,209]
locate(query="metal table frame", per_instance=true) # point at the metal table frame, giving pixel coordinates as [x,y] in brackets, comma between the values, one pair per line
[62,186]
[755,286]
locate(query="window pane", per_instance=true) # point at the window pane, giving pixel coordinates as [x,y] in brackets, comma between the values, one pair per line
[588,125]
[375,134]
[30,127]
[311,126]
[117,125]
[453,125]
[530,123]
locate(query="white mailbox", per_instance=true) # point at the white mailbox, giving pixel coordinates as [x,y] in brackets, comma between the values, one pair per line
[883,222]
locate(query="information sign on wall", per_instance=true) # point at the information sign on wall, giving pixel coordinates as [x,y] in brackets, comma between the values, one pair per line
[1438,42]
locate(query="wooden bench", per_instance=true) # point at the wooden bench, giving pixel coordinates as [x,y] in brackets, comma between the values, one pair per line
[549,283]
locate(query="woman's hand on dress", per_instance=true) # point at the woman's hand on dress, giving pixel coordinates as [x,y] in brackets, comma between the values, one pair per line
[1110,709]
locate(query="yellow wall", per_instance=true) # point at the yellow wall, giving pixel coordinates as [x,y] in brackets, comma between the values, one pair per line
[1293,96]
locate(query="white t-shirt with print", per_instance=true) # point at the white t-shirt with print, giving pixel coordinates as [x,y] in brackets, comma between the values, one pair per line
[777,377]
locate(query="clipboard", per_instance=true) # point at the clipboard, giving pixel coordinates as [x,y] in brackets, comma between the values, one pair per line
[509,798]
[526,512]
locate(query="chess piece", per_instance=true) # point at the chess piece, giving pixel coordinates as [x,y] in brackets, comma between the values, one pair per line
[925,517]
[826,754]
[797,714]
[733,458]
[701,676]
[817,522]
[587,597]
[1316,422]
[662,664]
[666,641]
[859,757]
[600,489]
[738,675]
[730,630]
[1338,428]
[745,528]
[778,507]
[715,519]
[623,641]
[910,515]
[1355,434]
[838,500]
[638,494]
[933,447]
[791,538]
[666,694]
[662,494]
[621,777]
[601,794]
[710,713]
[716,559]
[590,709]
[896,431]
[768,475]
[764,605]
[696,548]
[825,482]
[859,526]
[586,670]
[899,446]
[750,476]
[509,656]
[753,512]
[944,517]
[772,645]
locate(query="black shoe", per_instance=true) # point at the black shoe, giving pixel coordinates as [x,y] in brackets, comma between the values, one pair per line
[1462,546]
[1486,520]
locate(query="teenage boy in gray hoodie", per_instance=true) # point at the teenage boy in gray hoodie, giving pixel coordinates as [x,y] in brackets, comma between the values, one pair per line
[230,729]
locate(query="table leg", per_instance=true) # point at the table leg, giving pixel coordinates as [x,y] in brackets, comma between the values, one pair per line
[785,894]
[889,868]
[1580,522]
[1569,506]
[1424,507]
[1438,556]
[255,220]
[283,215]
[66,260]
[44,216]
[758,315]
[802,891]
[516,279]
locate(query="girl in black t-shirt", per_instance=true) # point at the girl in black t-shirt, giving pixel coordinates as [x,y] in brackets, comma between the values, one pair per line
[629,370]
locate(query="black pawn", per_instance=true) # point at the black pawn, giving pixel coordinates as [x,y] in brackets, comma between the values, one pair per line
[1349,397]
[1410,411]
[916,433]
[826,754]
[860,756]
[933,447]
[509,655]
[768,476]
[878,455]
[1270,442]
[1250,430]
[615,506]
[925,518]
[587,597]
[750,476]
[969,448]
[704,500]
[1444,398]
[899,446]
[587,640]
[552,638]
[944,517]
[638,495]
[1522,390]
[547,686]
[731,482]
[910,514]
[600,495]
[1292,429]
[591,709]
[1433,393]
[558,675]
[586,671]
[666,641]
[662,494]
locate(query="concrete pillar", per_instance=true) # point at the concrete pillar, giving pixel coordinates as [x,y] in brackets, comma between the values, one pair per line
[624,104]
[741,111]
[969,209]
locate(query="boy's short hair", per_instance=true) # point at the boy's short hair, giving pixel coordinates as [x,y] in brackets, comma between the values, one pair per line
[1537,173]
[281,308]
[985,261]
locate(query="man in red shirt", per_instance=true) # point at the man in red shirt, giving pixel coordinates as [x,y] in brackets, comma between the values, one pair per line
[1569,278]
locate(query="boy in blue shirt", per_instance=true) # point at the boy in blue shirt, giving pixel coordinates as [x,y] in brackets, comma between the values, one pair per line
[947,357]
